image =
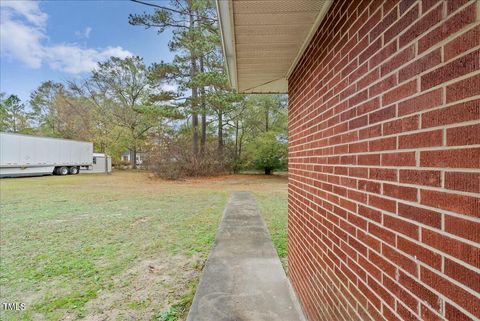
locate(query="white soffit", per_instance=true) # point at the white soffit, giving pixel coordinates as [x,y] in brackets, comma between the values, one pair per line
[263,40]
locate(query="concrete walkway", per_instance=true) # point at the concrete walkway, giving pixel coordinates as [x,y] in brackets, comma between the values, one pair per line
[243,279]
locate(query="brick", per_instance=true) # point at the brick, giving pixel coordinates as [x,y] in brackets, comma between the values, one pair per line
[401,24]
[422,102]
[387,21]
[423,139]
[399,259]
[389,5]
[400,192]
[382,203]
[399,92]
[368,79]
[420,177]
[454,5]
[459,67]
[348,68]
[407,314]
[450,26]
[383,174]
[462,274]
[379,290]
[469,230]
[382,86]
[457,113]
[382,144]
[368,106]
[371,49]
[468,301]
[452,313]
[371,22]
[369,159]
[463,89]
[370,132]
[387,313]
[401,226]
[358,172]
[420,65]
[399,159]
[421,215]
[419,252]
[460,250]
[419,290]
[379,261]
[427,314]
[370,213]
[451,158]
[358,122]
[371,243]
[400,293]
[398,60]
[382,115]
[358,98]
[421,26]
[358,48]
[357,73]
[462,43]
[467,135]
[401,125]
[382,55]
[460,181]
[462,204]
[428,4]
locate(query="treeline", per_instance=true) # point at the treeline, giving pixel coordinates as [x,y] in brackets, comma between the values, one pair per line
[182,114]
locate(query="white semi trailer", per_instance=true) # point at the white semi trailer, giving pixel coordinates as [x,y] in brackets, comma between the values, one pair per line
[25,155]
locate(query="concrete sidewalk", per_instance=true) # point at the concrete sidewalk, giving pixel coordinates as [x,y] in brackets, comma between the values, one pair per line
[243,279]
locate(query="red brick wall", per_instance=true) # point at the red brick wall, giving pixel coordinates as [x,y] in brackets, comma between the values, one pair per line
[384,163]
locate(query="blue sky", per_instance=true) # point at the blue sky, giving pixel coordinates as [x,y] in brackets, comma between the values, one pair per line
[60,40]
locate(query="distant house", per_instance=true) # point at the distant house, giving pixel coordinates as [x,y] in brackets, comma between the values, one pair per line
[128,155]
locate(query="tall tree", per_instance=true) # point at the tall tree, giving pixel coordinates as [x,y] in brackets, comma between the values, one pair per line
[127,94]
[192,23]
[43,102]
[13,116]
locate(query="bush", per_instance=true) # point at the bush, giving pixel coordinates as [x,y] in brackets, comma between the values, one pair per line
[173,159]
[268,153]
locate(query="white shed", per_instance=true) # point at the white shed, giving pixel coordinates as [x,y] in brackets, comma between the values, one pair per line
[98,164]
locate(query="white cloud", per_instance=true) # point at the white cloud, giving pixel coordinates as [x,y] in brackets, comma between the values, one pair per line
[75,60]
[27,9]
[85,33]
[23,36]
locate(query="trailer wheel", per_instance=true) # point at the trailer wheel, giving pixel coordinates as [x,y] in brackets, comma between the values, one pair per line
[73,170]
[62,170]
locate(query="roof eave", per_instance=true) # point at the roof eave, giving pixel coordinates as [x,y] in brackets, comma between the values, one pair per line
[227,35]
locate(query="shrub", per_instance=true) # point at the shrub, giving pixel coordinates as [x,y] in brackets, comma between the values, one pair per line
[173,159]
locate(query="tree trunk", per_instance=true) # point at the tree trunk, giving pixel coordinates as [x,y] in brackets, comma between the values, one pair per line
[133,158]
[193,73]
[268,171]
[106,164]
[266,119]
[203,139]
[220,134]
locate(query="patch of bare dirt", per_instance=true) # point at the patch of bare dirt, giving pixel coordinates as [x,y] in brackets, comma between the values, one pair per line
[147,288]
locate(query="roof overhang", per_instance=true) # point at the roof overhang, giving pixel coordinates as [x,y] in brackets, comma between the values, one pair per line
[263,40]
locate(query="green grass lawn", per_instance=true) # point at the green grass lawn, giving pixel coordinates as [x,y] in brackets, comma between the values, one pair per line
[120,247]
